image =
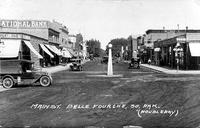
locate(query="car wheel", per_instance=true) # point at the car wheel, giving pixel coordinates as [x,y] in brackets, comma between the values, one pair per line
[8,82]
[45,81]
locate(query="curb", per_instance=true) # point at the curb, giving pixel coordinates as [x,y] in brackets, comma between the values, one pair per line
[167,71]
[59,68]
[154,70]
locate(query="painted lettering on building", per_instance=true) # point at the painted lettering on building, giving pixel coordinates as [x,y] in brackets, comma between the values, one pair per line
[14,36]
[23,24]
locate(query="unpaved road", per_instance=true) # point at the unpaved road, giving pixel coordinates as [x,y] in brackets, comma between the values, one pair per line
[76,99]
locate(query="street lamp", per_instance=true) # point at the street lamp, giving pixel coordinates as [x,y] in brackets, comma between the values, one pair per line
[110,67]
[178,49]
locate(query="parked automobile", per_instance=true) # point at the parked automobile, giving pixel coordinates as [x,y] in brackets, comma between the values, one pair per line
[76,65]
[135,63]
[15,72]
[104,60]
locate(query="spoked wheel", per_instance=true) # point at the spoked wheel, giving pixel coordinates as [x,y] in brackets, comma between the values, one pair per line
[8,82]
[45,81]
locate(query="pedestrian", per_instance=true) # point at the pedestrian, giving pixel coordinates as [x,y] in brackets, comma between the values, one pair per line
[149,61]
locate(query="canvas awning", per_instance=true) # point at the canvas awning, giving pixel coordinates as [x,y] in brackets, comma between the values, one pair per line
[58,52]
[156,49]
[71,52]
[32,49]
[46,50]
[9,48]
[194,49]
[66,53]
[54,49]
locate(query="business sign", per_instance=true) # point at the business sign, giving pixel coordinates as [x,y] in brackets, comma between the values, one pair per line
[23,24]
[14,36]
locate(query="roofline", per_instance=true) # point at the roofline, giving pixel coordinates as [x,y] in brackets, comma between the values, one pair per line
[172,30]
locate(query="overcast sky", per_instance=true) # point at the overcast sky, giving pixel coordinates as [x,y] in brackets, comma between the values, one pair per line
[107,19]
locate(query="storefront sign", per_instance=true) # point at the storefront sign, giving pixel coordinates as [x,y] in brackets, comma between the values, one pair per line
[23,24]
[14,36]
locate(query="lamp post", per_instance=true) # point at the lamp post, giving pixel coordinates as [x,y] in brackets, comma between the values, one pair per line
[177,50]
[110,67]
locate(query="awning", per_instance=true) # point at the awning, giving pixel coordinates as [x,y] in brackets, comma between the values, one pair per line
[71,52]
[194,49]
[46,50]
[54,49]
[58,52]
[9,48]
[32,49]
[156,49]
[66,53]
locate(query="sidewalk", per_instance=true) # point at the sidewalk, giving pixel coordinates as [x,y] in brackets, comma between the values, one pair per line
[170,71]
[55,69]
[58,68]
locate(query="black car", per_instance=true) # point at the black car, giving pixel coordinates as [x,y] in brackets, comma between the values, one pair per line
[76,65]
[15,72]
[104,60]
[135,63]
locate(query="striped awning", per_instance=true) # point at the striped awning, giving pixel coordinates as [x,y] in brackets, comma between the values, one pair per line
[54,49]
[46,50]
[32,49]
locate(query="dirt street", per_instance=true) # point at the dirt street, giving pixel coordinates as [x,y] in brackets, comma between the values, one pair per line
[78,99]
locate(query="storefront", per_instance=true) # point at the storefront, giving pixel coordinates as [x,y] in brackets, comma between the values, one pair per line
[39,32]
[19,46]
[181,51]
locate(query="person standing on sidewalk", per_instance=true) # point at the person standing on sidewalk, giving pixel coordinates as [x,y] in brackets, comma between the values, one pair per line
[149,61]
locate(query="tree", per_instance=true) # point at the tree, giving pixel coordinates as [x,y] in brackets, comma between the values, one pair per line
[94,47]
[118,44]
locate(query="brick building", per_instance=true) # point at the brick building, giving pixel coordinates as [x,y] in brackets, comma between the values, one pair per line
[43,36]
[25,48]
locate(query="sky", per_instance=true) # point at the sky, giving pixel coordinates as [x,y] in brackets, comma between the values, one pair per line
[105,20]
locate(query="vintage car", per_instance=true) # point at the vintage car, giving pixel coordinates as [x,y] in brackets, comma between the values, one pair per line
[76,65]
[135,63]
[104,60]
[15,72]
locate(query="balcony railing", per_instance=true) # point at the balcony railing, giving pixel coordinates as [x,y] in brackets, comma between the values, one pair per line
[54,40]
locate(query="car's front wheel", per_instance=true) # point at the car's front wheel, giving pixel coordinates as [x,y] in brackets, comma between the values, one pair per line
[8,82]
[45,81]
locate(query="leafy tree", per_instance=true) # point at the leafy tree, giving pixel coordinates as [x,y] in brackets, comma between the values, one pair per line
[94,47]
[117,46]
